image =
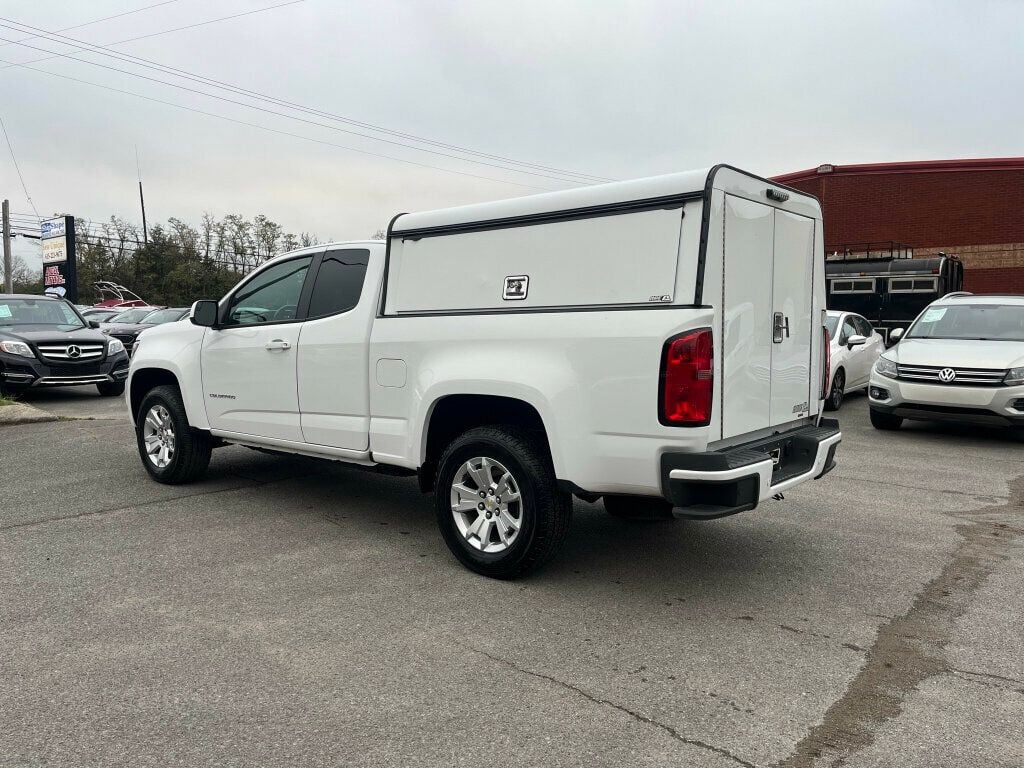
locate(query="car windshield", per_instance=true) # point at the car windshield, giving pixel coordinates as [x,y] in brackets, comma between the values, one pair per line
[99,315]
[50,312]
[981,322]
[131,315]
[831,322]
[162,316]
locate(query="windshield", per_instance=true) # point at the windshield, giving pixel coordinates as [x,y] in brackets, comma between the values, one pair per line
[39,312]
[831,321]
[980,322]
[131,315]
[163,316]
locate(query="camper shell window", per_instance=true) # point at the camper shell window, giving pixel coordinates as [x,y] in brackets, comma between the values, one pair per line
[861,285]
[913,284]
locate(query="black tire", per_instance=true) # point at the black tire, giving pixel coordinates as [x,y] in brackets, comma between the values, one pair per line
[544,511]
[638,508]
[885,421]
[192,447]
[11,391]
[111,388]
[835,394]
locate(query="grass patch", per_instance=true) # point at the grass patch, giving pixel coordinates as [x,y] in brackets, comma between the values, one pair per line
[4,401]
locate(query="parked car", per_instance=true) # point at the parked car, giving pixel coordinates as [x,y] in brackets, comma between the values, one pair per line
[45,342]
[128,316]
[961,360]
[515,353]
[100,314]
[129,332]
[855,346]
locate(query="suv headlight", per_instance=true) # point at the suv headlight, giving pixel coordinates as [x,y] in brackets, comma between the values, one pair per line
[114,346]
[19,348]
[1014,376]
[886,367]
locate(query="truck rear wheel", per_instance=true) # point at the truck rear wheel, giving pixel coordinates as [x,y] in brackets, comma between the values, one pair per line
[498,505]
[638,508]
[171,450]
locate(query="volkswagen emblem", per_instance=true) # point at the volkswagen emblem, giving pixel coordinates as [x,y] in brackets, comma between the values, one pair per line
[947,375]
[74,351]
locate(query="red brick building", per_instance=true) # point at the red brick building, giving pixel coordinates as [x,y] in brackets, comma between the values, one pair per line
[971,208]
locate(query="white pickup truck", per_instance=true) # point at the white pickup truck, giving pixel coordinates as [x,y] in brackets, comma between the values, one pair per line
[659,343]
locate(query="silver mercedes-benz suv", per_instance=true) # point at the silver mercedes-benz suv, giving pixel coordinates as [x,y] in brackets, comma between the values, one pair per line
[961,360]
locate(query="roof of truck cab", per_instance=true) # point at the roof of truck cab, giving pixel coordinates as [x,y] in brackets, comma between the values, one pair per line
[647,190]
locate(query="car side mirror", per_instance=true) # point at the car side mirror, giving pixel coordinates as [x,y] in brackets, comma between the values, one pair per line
[856,340]
[895,335]
[93,324]
[204,313]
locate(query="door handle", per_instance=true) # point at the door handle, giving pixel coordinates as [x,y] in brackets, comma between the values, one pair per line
[780,328]
[270,346]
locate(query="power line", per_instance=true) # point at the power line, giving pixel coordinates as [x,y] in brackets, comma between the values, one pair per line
[154,34]
[275,130]
[165,69]
[105,18]
[16,166]
[283,114]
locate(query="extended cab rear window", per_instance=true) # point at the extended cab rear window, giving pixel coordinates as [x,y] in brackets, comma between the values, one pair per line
[339,282]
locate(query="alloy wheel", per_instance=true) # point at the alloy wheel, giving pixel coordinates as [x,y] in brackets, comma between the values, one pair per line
[158,436]
[486,505]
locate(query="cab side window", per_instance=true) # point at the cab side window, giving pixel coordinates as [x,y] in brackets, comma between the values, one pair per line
[272,296]
[848,330]
[863,327]
[339,282]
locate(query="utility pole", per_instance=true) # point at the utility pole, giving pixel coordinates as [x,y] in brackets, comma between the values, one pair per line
[142,201]
[8,265]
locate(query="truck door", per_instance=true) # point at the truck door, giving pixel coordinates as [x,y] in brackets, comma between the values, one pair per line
[792,302]
[334,395]
[248,361]
[768,278]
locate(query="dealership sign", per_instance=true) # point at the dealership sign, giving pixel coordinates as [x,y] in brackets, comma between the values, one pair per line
[59,263]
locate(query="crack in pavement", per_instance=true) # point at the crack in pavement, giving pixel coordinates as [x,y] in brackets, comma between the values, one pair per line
[626,710]
[966,674]
[879,481]
[251,483]
[909,648]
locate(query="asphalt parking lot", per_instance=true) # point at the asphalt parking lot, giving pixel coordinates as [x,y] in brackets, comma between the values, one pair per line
[291,612]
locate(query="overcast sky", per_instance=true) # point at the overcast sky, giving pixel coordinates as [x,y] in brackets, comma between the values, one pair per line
[613,89]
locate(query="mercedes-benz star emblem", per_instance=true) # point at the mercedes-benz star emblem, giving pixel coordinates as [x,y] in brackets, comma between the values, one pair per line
[947,375]
[73,351]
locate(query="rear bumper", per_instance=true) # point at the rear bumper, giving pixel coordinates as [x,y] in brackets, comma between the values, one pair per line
[719,483]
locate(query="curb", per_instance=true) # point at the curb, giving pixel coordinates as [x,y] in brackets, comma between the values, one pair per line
[20,413]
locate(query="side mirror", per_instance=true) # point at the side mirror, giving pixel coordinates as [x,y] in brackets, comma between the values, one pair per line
[204,313]
[895,335]
[856,340]
[93,324]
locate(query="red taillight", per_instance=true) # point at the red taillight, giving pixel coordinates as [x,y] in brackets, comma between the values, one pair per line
[687,380]
[826,359]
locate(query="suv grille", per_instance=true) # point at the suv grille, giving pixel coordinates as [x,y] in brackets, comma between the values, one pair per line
[991,377]
[70,352]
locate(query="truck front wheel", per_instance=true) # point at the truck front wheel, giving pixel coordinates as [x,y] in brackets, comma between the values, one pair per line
[498,505]
[171,450]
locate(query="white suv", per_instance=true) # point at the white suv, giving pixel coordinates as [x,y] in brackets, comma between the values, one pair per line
[961,360]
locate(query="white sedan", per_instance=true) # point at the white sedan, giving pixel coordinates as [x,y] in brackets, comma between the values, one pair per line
[855,348]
